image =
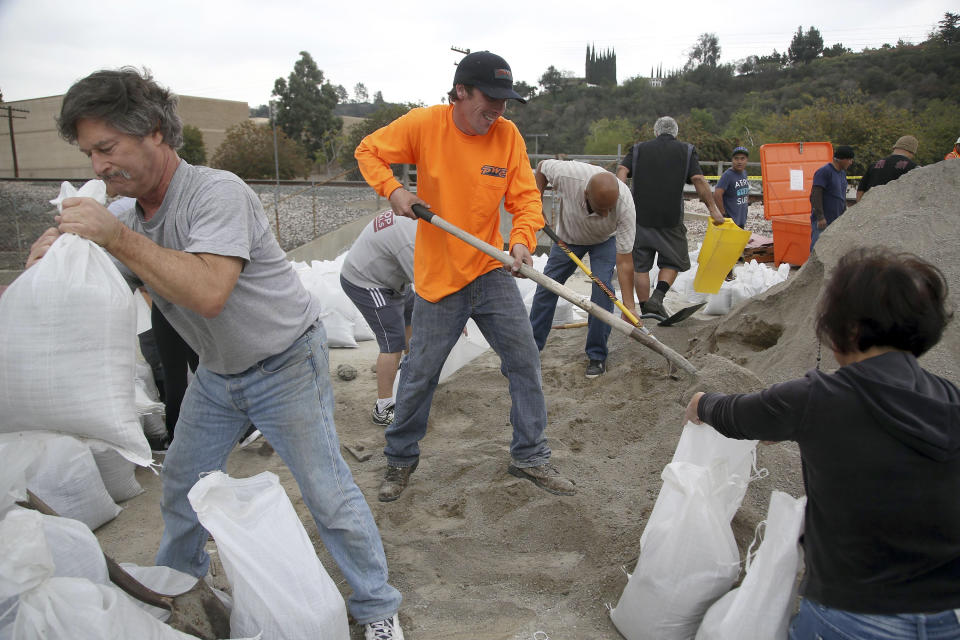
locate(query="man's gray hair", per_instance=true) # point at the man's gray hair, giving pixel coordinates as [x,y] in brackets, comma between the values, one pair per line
[666,124]
[125,99]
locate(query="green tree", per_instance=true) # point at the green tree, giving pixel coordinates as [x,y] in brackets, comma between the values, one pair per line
[306,103]
[525,90]
[805,46]
[836,50]
[248,152]
[342,95]
[949,29]
[379,118]
[360,92]
[606,133]
[705,52]
[551,80]
[263,111]
[193,150]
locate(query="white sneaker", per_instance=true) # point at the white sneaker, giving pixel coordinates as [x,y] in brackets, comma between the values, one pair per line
[388,629]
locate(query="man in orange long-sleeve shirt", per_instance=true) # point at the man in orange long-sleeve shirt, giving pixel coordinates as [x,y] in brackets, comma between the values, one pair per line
[468,159]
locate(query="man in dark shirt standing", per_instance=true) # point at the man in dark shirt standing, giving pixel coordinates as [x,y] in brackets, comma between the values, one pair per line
[828,195]
[659,169]
[890,168]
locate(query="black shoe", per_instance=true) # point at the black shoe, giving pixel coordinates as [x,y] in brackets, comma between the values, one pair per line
[655,306]
[596,368]
[395,480]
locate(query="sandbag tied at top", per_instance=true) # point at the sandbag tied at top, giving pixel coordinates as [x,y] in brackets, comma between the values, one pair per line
[68,350]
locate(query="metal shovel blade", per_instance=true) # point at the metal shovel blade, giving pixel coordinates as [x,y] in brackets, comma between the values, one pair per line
[679,316]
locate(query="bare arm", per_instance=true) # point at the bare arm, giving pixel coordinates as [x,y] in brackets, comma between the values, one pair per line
[706,197]
[540,178]
[201,282]
[623,173]
[816,202]
[718,200]
[625,279]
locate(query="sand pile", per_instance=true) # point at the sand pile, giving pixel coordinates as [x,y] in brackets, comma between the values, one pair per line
[481,555]
[919,213]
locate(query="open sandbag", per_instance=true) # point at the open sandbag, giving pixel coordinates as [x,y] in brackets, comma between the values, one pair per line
[280,588]
[67,349]
[78,609]
[689,560]
[760,608]
[729,461]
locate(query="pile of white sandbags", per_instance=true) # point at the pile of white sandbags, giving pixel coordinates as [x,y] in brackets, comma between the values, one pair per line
[67,381]
[689,560]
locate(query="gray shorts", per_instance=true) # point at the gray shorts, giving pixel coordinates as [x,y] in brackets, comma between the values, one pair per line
[388,313]
[669,244]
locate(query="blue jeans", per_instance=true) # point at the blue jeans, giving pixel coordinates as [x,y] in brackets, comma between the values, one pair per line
[493,301]
[560,267]
[290,399]
[817,622]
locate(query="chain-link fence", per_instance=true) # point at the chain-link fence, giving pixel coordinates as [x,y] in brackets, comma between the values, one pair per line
[297,212]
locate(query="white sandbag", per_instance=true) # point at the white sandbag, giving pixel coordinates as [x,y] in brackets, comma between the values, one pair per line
[689,560]
[26,560]
[280,588]
[337,312]
[17,453]
[77,609]
[729,461]
[42,546]
[67,349]
[719,303]
[466,349]
[118,473]
[65,476]
[760,608]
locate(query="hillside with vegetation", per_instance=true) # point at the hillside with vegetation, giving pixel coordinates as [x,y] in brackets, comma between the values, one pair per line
[812,93]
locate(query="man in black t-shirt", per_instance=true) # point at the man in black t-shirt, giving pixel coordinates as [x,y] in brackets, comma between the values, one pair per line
[659,168]
[890,168]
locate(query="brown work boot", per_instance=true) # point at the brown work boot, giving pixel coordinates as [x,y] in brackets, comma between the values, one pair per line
[395,480]
[546,477]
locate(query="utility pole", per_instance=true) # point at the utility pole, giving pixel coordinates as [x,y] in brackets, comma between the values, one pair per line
[13,142]
[536,140]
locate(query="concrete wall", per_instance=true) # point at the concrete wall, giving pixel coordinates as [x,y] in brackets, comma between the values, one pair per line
[41,153]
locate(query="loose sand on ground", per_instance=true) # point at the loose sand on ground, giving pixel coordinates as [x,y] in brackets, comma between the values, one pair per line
[481,555]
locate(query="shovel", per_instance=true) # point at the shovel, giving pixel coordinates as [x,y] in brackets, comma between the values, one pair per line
[683,314]
[197,612]
[550,284]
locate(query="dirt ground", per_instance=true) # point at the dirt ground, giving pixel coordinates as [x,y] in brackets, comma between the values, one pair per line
[481,555]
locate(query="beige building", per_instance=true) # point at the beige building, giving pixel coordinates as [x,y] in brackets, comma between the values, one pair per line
[41,153]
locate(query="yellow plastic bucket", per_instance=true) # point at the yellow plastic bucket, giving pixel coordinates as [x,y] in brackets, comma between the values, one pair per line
[722,247]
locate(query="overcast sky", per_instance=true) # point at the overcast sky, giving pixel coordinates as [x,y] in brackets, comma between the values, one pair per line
[236,49]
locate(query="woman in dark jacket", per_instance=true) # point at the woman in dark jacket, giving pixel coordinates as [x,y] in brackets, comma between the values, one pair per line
[880,445]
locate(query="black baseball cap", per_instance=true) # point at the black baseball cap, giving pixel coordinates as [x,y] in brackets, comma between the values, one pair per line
[843,152]
[488,72]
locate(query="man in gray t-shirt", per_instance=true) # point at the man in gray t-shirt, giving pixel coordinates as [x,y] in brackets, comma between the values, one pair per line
[199,241]
[377,275]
